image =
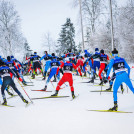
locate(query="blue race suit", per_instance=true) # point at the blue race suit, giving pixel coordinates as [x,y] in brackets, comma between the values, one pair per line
[119,65]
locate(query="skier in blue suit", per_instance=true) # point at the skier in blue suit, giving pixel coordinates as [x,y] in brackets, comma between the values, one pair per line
[87,55]
[5,88]
[96,60]
[54,64]
[47,57]
[96,64]
[119,65]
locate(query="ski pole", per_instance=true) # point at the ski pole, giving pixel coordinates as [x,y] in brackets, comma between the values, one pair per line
[127,88]
[101,89]
[12,90]
[29,79]
[131,80]
[24,91]
[52,84]
[63,87]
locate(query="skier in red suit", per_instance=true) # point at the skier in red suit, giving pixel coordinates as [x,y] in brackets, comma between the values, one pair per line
[67,76]
[103,64]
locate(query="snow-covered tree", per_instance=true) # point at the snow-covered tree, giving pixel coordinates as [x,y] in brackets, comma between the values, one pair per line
[96,19]
[125,31]
[66,39]
[48,43]
[11,38]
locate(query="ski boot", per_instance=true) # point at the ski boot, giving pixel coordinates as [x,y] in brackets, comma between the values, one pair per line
[115,108]
[9,93]
[109,89]
[44,78]
[54,80]
[122,90]
[24,82]
[45,88]
[25,101]
[4,102]
[48,73]
[94,76]
[36,74]
[85,75]
[56,93]
[92,81]
[101,82]
[73,96]
[33,76]
[7,87]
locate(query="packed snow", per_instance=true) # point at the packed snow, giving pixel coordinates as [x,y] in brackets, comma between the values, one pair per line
[63,116]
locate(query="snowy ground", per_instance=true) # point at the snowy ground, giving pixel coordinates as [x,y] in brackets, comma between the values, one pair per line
[62,116]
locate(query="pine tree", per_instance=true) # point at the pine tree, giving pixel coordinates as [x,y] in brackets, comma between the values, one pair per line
[66,39]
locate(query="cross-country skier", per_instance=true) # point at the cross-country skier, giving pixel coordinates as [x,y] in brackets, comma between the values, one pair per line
[47,57]
[5,72]
[103,64]
[35,64]
[79,61]
[86,55]
[12,65]
[119,65]
[67,76]
[95,60]
[18,68]
[54,64]
[71,56]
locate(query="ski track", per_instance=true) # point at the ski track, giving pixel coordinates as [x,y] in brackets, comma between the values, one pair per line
[62,116]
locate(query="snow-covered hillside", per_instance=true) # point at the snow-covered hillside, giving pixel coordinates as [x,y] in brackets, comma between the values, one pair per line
[62,116]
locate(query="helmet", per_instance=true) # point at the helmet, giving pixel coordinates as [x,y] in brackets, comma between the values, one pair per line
[12,57]
[45,52]
[35,53]
[1,62]
[69,50]
[96,49]
[85,51]
[115,51]
[102,51]
[8,58]
[53,54]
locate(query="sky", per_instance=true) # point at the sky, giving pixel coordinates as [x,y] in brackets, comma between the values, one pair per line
[39,17]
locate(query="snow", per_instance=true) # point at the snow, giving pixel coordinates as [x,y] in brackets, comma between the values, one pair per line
[62,116]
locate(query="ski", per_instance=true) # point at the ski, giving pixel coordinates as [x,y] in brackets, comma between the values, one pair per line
[32,78]
[41,90]
[110,111]
[29,103]
[50,97]
[88,82]
[29,82]
[103,91]
[27,85]
[74,98]
[39,80]
[99,85]
[86,78]
[7,105]
[12,96]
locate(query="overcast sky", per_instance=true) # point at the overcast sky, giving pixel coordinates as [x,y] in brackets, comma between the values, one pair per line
[41,16]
